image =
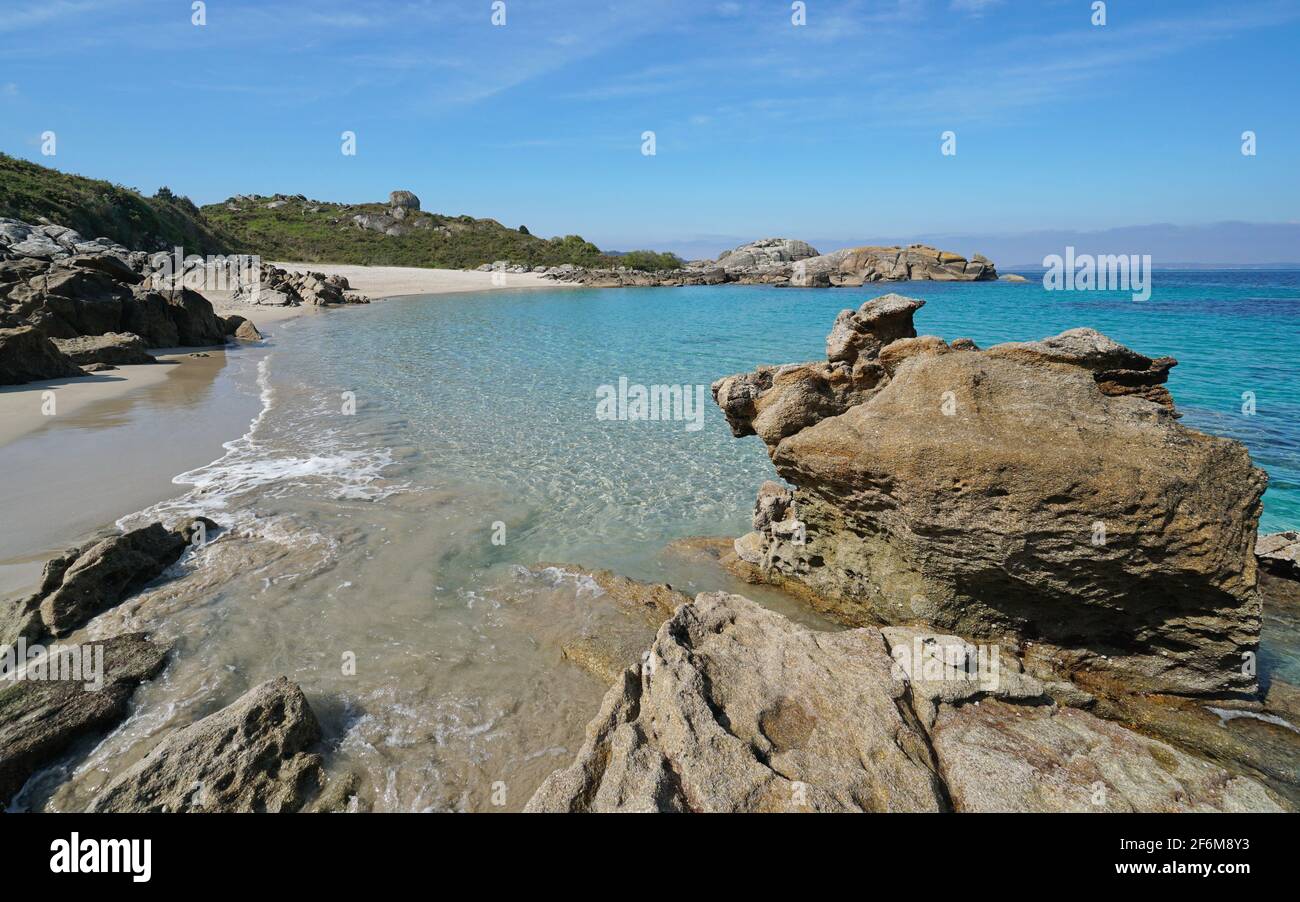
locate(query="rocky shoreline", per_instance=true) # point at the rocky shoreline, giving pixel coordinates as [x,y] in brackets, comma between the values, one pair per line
[786,263]
[1051,594]
[69,307]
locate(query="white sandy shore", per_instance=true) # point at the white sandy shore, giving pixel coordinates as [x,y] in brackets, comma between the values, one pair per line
[21,406]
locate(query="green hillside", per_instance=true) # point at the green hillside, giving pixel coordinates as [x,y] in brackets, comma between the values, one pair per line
[97,209]
[295,228]
[288,227]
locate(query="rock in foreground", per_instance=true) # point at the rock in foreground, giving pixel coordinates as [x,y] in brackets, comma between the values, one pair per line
[1041,489]
[737,709]
[84,581]
[249,756]
[26,355]
[40,719]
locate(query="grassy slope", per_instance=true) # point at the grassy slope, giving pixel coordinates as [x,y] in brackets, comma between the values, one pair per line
[300,230]
[319,232]
[97,209]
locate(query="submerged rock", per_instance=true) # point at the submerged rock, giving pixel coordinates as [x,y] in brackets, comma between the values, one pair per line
[249,756]
[41,719]
[1041,489]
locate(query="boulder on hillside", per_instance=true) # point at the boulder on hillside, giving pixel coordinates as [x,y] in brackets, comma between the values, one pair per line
[110,349]
[1043,490]
[27,355]
[404,200]
[41,718]
[250,756]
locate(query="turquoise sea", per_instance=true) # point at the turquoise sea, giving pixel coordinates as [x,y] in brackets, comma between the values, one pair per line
[408,456]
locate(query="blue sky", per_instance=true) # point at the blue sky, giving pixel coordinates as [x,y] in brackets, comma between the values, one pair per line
[829,131]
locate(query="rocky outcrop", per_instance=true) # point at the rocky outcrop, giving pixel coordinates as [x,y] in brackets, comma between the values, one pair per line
[92,289]
[280,288]
[1002,757]
[241,329]
[790,263]
[403,200]
[248,757]
[764,254]
[85,581]
[109,349]
[27,355]
[735,708]
[1042,490]
[1279,554]
[40,718]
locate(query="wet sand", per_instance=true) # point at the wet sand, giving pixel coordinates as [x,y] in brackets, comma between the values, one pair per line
[110,447]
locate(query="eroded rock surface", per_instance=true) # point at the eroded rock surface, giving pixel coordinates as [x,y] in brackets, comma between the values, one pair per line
[27,355]
[738,709]
[41,718]
[249,756]
[87,580]
[1042,489]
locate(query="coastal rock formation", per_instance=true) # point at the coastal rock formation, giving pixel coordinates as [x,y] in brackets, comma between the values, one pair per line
[738,709]
[110,349]
[605,653]
[241,329]
[280,288]
[791,263]
[90,289]
[85,581]
[1279,554]
[764,254]
[27,355]
[1043,490]
[735,708]
[1001,757]
[248,757]
[41,718]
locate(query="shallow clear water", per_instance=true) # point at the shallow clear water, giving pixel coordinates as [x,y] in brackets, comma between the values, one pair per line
[371,533]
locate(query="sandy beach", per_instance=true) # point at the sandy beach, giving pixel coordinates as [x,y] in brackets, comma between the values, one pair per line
[22,407]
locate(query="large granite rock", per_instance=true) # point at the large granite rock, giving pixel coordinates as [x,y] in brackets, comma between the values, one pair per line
[1002,757]
[92,289]
[84,581]
[41,719]
[1042,490]
[278,287]
[738,709]
[764,254]
[27,355]
[250,756]
[109,349]
[735,708]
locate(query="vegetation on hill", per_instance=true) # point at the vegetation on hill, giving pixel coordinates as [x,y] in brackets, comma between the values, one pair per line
[289,227]
[97,209]
[296,228]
